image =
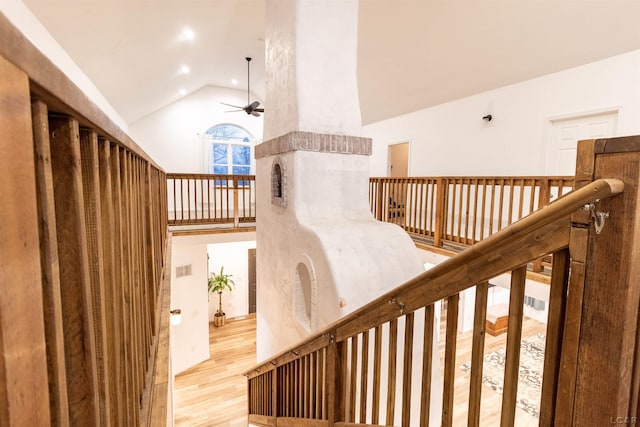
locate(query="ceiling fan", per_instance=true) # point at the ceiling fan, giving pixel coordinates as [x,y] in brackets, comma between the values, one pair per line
[251,107]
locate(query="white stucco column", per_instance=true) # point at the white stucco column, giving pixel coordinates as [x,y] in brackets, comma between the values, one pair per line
[320,252]
[311,63]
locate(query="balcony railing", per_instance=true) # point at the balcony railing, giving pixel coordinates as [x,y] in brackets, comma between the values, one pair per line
[461,210]
[211,199]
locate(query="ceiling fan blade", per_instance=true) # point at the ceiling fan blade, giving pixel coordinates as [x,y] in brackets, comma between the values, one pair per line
[230,105]
[259,110]
[253,105]
[255,113]
[233,111]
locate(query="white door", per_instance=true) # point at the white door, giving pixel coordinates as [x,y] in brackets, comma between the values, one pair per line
[566,133]
[399,160]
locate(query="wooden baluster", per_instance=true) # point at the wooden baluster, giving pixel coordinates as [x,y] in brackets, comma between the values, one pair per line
[450,360]
[320,387]
[458,235]
[555,328]
[511,200]
[391,383]
[427,363]
[532,195]
[201,181]
[407,370]
[77,306]
[477,353]
[433,207]
[353,378]
[92,216]
[466,211]
[483,208]
[50,268]
[514,336]
[236,213]
[500,203]
[543,200]
[521,200]
[377,361]
[492,208]
[475,211]
[419,206]
[364,376]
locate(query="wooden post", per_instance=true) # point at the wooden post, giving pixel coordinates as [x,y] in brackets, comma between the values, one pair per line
[599,369]
[24,399]
[334,382]
[441,199]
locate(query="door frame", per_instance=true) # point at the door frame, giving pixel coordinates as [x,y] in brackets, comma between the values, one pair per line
[548,130]
[403,141]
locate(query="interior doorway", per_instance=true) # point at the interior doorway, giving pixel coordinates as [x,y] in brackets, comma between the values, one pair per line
[398,165]
[565,134]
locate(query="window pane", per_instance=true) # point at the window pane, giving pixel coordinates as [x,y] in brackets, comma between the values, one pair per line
[241,154]
[241,170]
[220,154]
[229,132]
[221,169]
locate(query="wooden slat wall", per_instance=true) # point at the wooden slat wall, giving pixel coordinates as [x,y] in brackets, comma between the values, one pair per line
[84,225]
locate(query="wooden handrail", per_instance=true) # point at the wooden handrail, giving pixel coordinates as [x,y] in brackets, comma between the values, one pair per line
[452,276]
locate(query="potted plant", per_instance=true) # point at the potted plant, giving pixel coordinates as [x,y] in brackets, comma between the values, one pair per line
[220,283]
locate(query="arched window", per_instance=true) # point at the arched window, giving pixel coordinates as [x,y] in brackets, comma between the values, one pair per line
[230,150]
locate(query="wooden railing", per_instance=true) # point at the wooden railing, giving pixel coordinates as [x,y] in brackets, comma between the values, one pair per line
[339,376]
[211,199]
[461,210]
[84,240]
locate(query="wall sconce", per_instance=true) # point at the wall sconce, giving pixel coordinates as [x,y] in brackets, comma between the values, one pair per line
[488,117]
[176,316]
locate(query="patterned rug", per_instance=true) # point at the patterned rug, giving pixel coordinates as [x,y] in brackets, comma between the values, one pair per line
[530,375]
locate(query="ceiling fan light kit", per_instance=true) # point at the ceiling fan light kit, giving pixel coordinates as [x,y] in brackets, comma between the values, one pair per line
[252,107]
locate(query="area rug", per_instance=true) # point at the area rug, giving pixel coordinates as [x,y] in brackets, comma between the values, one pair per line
[530,374]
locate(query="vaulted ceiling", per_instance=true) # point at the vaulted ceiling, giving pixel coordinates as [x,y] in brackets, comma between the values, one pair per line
[412,54]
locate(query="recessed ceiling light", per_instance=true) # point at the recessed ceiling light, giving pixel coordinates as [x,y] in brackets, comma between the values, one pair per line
[183,92]
[234,81]
[187,34]
[185,69]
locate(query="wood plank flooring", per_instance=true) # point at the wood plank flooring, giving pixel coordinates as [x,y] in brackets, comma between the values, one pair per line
[214,393]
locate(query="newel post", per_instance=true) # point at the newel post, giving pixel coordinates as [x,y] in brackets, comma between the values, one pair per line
[441,191]
[599,378]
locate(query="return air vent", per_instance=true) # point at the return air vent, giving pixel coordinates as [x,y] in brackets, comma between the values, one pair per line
[184,270]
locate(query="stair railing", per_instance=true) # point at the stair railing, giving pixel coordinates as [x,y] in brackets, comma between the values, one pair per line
[341,376]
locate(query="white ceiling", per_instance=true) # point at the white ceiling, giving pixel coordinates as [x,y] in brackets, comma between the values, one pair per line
[413,54]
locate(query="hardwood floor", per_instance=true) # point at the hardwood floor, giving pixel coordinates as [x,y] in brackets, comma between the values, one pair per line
[214,393]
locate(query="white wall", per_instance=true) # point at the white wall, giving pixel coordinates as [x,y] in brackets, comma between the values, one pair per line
[234,257]
[452,138]
[171,135]
[190,339]
[22,18]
